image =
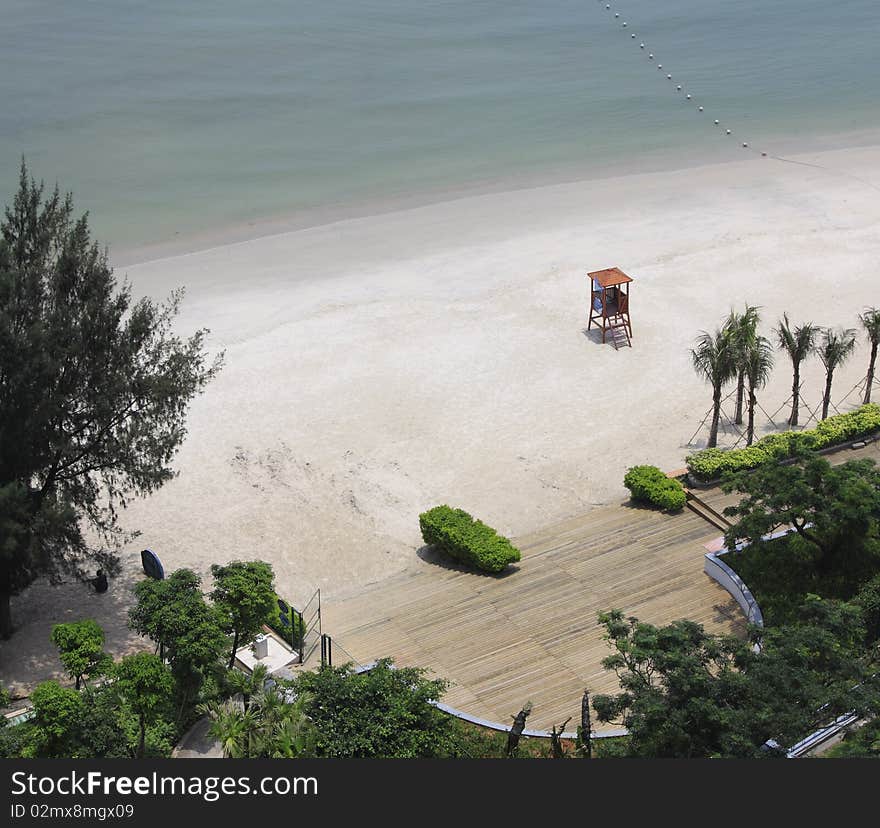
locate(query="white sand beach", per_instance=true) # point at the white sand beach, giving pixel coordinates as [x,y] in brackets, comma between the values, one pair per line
[379,366]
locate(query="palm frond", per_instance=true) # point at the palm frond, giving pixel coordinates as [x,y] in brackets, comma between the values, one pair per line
[870,320]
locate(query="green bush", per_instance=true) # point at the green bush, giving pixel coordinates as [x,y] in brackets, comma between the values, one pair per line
[290,633]
[467,540]
[713,463]
[647,484]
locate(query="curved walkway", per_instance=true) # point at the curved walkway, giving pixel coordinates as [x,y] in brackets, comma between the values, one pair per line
[197,744]
[532,634]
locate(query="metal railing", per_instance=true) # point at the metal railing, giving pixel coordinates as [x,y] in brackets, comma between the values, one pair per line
[312,632]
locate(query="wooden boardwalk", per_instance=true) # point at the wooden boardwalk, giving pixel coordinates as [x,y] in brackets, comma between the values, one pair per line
[532,634]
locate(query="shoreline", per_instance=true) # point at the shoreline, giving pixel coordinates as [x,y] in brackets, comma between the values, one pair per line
[580,175]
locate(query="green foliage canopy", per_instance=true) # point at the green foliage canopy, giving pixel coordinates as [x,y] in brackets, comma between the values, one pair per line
[94,389]
[832,509]
[688,694]
[144,685]
[57,716]
[189,632]
[381,713]
[81,648]
[244,594]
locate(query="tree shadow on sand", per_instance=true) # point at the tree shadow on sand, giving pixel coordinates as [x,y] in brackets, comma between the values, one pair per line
[432,555]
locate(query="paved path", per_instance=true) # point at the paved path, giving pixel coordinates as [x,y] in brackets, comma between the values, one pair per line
[197,744]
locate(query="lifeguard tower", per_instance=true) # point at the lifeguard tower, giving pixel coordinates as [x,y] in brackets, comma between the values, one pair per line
[609,303]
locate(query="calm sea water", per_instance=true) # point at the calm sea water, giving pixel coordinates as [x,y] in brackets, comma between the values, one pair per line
[171,118]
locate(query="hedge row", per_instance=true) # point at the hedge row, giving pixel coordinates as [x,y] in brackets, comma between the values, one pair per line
[467,540]
[647,484]
[710,464]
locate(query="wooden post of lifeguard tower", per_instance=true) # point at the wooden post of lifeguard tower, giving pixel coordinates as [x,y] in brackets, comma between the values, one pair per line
[609,302]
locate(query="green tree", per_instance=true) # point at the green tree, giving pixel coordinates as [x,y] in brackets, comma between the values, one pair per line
[835,347]
[832,509]
[798,342]
[144,685]
[94,389]
[741,330]
[870,320]
[688,694]
[188,632]
[384,712]
[814,670]
[757,364]
[104,731]
[57,715]
[81,648]
[713,361]
[867,599]
[244,593]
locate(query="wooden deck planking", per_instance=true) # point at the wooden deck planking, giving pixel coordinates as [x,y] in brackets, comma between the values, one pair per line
[533,634]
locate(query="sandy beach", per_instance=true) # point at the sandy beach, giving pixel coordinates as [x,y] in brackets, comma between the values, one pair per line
[379,366]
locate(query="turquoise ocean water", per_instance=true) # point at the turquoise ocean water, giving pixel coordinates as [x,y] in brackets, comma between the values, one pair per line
[170,119]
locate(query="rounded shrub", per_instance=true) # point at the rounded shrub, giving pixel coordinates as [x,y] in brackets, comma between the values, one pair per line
[647,484]
[467,540]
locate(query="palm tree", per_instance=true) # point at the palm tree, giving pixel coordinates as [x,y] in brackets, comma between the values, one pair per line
[713,360]
[272,727]
[247,685]
[798,343]
[870,320]
[758,365]
[834,349]
[232,727]
[286,731]
[741,328]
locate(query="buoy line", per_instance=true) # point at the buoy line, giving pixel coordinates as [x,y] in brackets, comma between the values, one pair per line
[728,131]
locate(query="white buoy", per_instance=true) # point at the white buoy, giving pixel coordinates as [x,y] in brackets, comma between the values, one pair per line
[669,77]
[616,14]
[659,65]
[650,57]
[728,131]
[699,109]
[624,24]
[641,45]
[607,7]
[678,89]
[745,145]
[633,36]
[717,122]
[688,97]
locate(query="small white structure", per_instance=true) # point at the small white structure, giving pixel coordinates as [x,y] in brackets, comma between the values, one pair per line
[267,648]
